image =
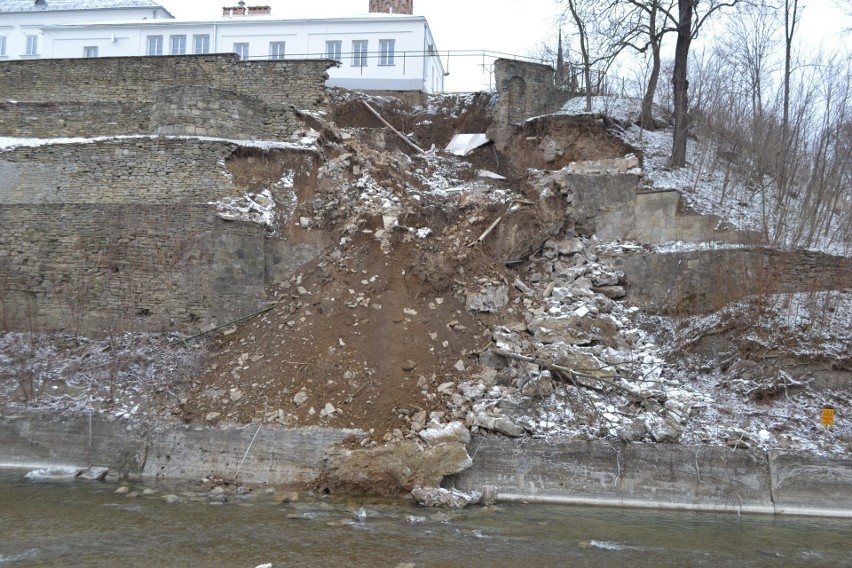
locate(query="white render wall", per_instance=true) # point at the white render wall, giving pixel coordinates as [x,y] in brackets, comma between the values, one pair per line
[15,27]
[414,68]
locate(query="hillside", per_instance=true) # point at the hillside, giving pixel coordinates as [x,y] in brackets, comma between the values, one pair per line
[480,289]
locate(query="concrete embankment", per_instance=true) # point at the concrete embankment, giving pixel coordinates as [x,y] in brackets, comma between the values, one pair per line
[700,478]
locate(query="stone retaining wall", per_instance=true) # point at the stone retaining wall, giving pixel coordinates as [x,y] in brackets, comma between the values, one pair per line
[72,119]
[106,268]
[135,170]
[204,111]
[123,235]
[698,281]
[137,79]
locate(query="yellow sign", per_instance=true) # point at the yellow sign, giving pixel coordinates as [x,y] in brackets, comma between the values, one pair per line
[827,416]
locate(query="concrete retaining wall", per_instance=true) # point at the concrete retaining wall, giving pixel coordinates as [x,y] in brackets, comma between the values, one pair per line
[278,456]
[701,478]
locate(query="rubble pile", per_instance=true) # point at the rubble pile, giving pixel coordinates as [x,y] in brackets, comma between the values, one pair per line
[453,296]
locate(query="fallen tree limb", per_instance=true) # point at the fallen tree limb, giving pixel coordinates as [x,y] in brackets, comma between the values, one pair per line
[487,231]
[568,372]
[394,130]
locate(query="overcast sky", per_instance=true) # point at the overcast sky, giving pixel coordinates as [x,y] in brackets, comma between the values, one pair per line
[505,26]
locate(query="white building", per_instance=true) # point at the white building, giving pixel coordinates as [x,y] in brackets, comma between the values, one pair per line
[375,51]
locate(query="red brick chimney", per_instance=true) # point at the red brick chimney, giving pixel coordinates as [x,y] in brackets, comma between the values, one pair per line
[392,6]
[241,10]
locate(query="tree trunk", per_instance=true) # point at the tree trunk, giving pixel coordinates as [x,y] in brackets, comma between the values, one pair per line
[584,52]
[647,121]
[681,85]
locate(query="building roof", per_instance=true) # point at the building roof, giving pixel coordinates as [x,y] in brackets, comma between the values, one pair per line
[21,6]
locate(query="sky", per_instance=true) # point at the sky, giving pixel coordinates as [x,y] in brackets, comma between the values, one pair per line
[513,27]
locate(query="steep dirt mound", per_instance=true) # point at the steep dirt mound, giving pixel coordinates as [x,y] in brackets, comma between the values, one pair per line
[359,334]
[552,142]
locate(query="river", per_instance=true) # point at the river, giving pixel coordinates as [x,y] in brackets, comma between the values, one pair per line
[76,523]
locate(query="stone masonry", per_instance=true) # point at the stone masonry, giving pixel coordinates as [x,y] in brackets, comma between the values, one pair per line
[122,233]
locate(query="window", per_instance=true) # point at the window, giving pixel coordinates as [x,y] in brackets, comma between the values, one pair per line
[386,47]
[242,49]
[90,52]
[332,50]
[276,50]
[178,45]
[2,46]
[359,53]
[32,45]
[201,44]
[155,45]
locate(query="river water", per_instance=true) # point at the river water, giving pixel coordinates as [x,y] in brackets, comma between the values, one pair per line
[76,523]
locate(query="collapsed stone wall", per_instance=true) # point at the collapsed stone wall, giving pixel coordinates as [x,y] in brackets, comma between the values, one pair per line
[124,234]
[137,79]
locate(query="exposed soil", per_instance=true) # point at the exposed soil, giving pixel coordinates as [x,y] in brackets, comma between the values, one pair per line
[377,332]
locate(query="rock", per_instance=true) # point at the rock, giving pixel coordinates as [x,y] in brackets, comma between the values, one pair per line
[577,360]
[499,424]
[473,391]
[211,416]
[300,398]
[452,432]
[447,387]
[611,292]
[548,329]
[94,473]
[568,247]
[395,469]
[171,499]
[409,366]
[123,490]
[540,386]
[491,299]
[446,498]
[507,427]
[236,395]
[328,410]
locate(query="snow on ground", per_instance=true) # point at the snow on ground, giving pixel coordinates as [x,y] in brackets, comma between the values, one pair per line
[124,376]
[305,142]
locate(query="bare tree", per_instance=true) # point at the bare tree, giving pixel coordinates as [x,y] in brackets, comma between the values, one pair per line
[597,48]
[691,18]
[642,27]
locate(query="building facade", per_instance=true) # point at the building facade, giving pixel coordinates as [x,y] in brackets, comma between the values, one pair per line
[375,51]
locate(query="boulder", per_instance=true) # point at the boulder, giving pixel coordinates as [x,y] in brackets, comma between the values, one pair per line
[446,498]
[489,300]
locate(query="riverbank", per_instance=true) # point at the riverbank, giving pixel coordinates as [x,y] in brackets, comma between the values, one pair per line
[531,470]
